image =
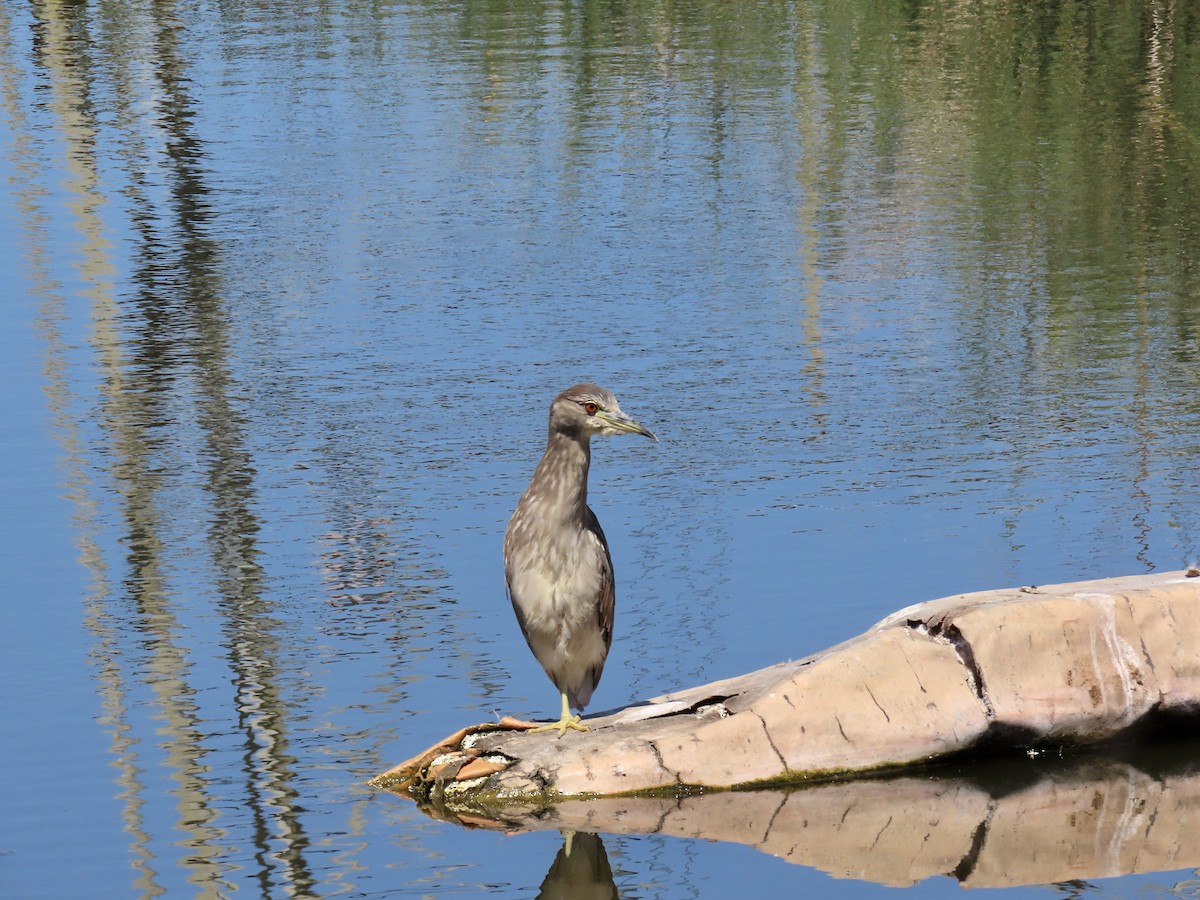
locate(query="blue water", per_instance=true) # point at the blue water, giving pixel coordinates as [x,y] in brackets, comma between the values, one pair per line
[288,292]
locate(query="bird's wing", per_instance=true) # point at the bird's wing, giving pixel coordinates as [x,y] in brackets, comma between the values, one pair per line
[508,592]
[606,603]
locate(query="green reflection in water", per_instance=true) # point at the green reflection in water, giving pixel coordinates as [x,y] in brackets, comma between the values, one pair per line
[174,320]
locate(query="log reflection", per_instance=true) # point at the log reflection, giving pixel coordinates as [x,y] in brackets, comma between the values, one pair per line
[992,825]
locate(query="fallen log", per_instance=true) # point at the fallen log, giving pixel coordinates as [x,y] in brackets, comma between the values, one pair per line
[1060,665]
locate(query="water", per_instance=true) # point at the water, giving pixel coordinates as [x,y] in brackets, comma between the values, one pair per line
[908,291]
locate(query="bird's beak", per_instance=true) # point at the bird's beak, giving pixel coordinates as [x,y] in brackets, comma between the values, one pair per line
[623,423]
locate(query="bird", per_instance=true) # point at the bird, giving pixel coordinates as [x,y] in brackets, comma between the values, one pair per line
[558,571]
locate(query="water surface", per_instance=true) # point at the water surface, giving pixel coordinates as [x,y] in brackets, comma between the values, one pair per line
[908,290]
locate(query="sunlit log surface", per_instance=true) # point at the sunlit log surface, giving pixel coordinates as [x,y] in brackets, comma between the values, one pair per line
[1035,667]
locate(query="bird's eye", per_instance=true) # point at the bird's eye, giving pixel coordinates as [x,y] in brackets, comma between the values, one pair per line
[590,408]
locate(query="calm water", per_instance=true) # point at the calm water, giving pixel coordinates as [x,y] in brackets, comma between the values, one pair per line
[909,290]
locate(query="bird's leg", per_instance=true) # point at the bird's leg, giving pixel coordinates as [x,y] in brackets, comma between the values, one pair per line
[567,721]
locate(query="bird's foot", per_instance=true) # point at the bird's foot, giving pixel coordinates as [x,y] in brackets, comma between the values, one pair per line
[561,726]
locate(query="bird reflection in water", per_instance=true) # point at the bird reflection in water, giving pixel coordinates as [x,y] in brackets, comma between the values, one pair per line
[580,871]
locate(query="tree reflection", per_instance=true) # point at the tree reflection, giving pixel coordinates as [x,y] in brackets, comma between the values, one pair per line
[166,381]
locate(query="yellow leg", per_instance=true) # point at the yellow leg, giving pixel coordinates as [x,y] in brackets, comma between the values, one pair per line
[567,721]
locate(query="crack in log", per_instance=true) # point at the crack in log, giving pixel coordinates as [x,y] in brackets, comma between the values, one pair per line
[917,677]
[951,635]
[967,654]
[876,702]
[842,730]
[1149,660]
[658,757]
[771,741]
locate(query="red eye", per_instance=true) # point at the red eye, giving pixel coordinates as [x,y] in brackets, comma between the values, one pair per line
[590,408]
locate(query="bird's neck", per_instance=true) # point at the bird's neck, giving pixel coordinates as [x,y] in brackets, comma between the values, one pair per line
[560,480]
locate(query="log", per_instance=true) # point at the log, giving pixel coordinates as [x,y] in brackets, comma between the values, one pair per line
[1033,667]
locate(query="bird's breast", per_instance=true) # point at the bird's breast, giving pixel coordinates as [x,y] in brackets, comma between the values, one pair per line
[554,580]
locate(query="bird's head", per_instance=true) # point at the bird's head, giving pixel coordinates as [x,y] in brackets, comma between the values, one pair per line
[588,409]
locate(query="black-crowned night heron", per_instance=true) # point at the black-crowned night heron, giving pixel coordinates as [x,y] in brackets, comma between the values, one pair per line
[556,562]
